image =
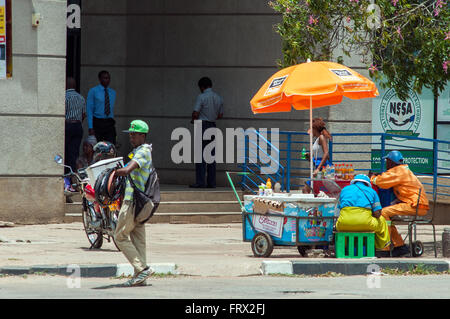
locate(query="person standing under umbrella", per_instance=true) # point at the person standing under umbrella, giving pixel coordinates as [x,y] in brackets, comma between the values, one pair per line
[320,151]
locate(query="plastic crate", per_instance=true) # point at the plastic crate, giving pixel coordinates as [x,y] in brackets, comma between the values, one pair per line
[355,245]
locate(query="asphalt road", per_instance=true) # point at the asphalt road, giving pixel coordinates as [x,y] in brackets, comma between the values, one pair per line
[226,288]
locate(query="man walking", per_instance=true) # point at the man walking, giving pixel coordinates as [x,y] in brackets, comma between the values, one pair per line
[100,109]
[129,235]
[75,114]
[208,108]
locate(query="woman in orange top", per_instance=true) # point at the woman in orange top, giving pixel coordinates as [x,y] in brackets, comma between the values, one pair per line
[406,187]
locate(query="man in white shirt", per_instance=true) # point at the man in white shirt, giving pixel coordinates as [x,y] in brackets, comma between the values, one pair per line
[208,108]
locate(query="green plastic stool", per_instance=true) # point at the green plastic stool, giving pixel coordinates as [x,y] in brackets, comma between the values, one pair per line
[355,245]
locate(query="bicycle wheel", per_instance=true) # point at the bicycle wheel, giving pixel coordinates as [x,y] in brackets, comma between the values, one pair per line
[95,236]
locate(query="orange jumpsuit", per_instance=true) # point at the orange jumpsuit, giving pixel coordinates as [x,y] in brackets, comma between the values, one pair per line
[406,188]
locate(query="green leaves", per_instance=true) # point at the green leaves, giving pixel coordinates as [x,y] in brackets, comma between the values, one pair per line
[408,41]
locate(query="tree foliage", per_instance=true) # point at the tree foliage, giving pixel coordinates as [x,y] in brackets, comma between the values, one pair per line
[404,44]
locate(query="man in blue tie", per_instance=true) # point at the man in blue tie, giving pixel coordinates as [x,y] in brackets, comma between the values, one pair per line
[100,109]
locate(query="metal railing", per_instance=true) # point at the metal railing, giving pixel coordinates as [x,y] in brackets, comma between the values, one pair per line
[430,160]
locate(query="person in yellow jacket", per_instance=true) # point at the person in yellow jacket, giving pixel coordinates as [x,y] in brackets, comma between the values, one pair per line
[406,187]
[360,211]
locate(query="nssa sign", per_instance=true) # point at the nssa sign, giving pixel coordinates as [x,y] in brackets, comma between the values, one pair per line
[400,117]
[412,117]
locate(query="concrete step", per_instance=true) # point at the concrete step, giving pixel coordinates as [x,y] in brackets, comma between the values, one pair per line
[173,196]
[184,196]
[183,206]
[180,218]
[178,207]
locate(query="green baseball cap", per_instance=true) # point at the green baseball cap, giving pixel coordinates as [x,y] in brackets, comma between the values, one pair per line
[137,126]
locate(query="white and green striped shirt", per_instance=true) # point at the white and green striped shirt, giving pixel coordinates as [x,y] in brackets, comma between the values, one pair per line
[142,155]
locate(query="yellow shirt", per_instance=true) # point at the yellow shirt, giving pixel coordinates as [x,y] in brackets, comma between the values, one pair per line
[405,184]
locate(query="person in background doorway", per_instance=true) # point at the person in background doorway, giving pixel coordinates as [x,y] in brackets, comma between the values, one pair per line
[87,157]
[208,108]
[100,109]
[75,114]
[360,211]
[320,152]
[406,187]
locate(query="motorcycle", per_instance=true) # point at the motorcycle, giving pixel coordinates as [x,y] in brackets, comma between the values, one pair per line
[99,221]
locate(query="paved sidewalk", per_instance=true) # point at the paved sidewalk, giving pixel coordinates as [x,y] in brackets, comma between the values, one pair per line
[189,249]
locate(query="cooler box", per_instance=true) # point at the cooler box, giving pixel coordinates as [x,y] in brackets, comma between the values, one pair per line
[96,169]
[315,219]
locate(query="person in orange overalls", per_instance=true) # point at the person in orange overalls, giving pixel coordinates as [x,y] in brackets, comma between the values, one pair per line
[406,187]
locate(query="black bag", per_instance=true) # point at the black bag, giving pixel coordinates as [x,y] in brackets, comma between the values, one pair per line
[146,202]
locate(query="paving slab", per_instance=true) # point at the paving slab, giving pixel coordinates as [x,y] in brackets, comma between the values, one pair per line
[185,249]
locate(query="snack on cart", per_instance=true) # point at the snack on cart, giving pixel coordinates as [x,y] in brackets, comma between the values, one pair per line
[301,220]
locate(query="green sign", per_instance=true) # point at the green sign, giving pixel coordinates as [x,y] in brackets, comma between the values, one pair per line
[420,162]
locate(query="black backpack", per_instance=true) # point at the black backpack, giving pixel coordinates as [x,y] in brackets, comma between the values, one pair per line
[149,199]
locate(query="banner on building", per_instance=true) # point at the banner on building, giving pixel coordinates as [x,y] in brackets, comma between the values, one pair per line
[413,117]
[2,39]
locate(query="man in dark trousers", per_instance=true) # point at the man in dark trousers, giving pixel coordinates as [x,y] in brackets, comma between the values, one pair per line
[100,109]
[75,114]
[208,108]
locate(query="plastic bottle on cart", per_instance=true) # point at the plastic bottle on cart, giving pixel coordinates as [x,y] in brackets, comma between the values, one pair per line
[303,153]
[268,190]
[332,172]
[269,183]
[261,190]
[277,188]
[351,172]
[328,172]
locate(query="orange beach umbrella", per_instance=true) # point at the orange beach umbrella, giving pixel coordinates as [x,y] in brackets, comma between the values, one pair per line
[310,85]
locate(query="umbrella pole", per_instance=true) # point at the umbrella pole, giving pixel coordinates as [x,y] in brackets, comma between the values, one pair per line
[310,143]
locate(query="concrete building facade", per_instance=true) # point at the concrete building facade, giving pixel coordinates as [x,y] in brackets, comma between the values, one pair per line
[156,51]
[32,115]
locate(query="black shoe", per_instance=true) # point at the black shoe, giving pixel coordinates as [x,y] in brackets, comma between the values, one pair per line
[400,251]
[382,254]
[196,186]
[210,186]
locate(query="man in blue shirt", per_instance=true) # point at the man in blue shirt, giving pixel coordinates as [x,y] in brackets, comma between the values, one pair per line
[360,211]
[100,109]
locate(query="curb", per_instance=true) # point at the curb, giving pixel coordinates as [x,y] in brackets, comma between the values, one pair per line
[106,270]
[345,267]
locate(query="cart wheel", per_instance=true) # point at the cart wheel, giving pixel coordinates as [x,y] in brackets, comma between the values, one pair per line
[262,245]
[302,250]
[417,249]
